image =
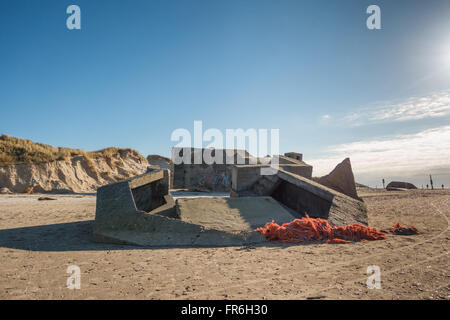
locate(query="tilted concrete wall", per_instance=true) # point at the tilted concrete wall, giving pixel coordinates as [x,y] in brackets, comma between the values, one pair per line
[300,194]
[119,201]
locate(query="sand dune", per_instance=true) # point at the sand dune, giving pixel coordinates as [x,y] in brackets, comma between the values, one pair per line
[78,174]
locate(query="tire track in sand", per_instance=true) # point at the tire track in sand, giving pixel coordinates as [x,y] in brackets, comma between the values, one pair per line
[337,266]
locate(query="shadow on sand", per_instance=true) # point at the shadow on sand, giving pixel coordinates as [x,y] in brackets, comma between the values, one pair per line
[77,236]
[72,236]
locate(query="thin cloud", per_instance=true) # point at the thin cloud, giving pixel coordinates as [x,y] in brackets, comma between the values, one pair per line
[407,155]
[436,105]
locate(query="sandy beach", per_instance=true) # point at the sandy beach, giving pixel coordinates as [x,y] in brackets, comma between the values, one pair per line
[39,240]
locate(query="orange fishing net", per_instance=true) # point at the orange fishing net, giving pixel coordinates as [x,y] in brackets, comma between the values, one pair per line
[309,229]
[400,229]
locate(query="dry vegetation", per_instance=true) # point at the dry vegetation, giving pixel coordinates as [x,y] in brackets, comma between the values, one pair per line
[16,151]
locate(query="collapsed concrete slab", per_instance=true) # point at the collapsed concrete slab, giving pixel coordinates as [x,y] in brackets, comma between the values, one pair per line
[300,194]
[231,221]
[140,211]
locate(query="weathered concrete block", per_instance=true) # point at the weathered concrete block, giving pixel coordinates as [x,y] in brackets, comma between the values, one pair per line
[341,179]
[217,176]
[294,155]
[243,177]
[293,163]
[198,174]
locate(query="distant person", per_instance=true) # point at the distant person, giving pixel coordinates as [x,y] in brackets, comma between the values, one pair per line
[427,186]
[442,186]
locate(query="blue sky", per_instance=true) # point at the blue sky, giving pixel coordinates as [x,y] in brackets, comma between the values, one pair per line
[138,70]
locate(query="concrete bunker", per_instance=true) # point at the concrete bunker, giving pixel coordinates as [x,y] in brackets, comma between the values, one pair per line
[142,211]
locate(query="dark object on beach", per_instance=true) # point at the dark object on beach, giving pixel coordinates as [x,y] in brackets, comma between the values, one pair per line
[395,185]
[45,198]
[402,230]
[7,191]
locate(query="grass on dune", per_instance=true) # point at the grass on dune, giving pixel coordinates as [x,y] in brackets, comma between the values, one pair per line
[16,151]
